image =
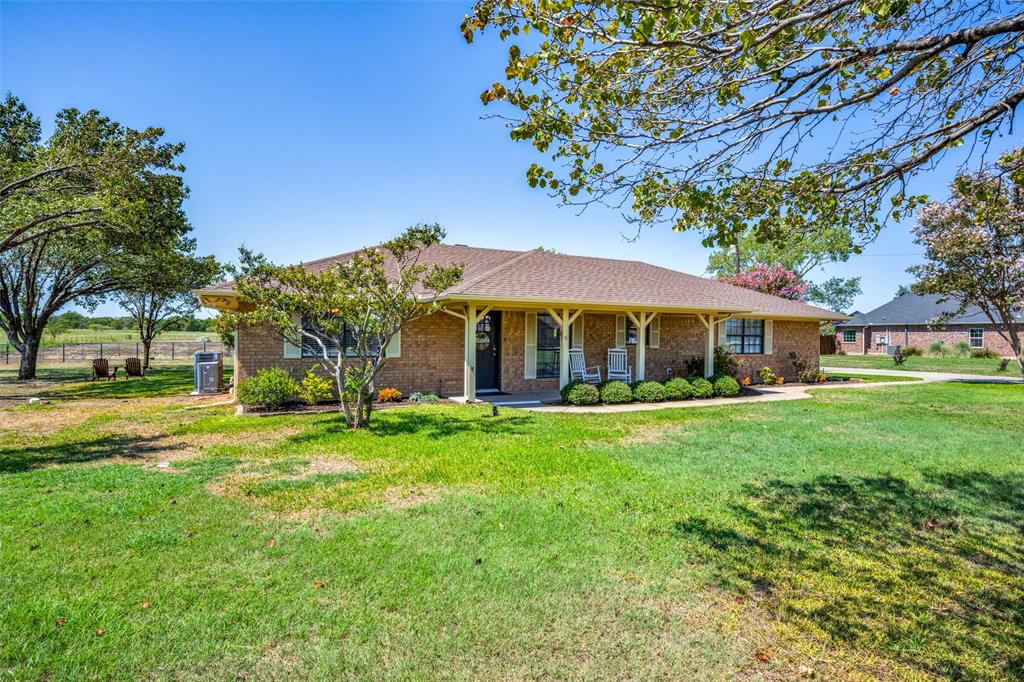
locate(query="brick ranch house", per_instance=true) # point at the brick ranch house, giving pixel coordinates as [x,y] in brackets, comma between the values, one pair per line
[509,323]
[906,321]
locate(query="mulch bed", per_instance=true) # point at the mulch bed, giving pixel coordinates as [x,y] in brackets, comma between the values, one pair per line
[331,406]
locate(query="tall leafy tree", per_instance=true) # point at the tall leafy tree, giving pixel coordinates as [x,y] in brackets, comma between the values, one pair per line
[974,246]
[89,174]
[159,293]
[346,315]
[778,116]
[82,266]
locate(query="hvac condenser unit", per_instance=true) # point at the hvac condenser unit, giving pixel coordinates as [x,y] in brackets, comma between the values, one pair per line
[209,370]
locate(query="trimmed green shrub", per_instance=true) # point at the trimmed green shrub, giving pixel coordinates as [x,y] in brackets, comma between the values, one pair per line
[912,352]
[702,388]
[418,397]
[616,392]
[270,389]
[678,388]
[649,392]
[727,387]
[986,353]
[315,388]
[580,393]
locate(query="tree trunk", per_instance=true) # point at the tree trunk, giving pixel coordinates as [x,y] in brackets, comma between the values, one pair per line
[146,345]
[29,358]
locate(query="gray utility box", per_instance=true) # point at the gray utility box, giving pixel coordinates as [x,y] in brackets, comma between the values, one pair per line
[209,368]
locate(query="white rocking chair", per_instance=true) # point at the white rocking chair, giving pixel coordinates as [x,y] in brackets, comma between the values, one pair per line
[578,370]
[618,367]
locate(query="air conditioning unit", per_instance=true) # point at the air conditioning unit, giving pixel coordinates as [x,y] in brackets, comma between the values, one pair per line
[209,373]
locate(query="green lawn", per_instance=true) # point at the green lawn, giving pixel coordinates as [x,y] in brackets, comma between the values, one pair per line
[73,382]
[866,533]
[114,336]
[923,364]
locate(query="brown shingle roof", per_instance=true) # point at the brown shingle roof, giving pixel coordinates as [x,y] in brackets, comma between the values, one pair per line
[542,277]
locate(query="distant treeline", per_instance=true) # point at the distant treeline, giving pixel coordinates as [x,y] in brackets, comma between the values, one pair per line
[73,320]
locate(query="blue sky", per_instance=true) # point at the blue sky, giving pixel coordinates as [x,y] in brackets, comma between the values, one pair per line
[317,128]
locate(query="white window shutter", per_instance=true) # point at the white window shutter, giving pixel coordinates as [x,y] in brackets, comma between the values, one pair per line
[620,331]
[291,351]
[577,331]
[654,332]
[394,349]
[530,351]
[767,337]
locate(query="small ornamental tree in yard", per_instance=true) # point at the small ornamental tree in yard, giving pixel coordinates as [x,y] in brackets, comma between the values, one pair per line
[771,279]
[160,289]
[974,245]
[346,315]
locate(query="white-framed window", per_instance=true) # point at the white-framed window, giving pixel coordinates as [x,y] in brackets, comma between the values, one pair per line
[977,337]
[745,337]
[849,335]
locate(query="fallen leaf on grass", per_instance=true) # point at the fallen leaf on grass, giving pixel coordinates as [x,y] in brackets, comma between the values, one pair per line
[61,622]
[145,604]
[317,585]
[271,542]
[99,632]
[762,655]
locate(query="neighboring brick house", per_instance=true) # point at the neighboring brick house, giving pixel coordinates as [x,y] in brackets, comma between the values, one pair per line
[512,307]
[907,321]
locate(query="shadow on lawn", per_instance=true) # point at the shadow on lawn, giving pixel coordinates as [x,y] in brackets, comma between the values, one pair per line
[414,422]
[932,576]
[16,460]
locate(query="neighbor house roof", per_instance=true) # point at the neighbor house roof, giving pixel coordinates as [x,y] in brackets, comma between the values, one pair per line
[540,277]
[915,309]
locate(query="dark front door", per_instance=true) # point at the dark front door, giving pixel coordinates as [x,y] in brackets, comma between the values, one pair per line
[488,340]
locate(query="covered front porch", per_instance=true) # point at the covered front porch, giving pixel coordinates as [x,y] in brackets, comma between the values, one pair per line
[516,353]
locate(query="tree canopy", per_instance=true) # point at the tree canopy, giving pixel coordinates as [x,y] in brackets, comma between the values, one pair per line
[346,315]
[974,246]
[91,173]
[778,117]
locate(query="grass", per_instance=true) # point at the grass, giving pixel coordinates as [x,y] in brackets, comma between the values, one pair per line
[922,364]
[872,378]
[73,382]
[833,535]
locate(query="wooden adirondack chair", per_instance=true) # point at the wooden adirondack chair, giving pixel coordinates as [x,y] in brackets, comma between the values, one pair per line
[133,368]
[578,370]
[618,366]
[101,370]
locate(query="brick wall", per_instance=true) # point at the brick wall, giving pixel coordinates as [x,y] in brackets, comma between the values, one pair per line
[431,357]
[922,336]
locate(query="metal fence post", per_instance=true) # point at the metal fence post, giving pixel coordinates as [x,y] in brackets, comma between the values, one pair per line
[136,349]
[63,352]
[101,351]
[172,350]
[204,345]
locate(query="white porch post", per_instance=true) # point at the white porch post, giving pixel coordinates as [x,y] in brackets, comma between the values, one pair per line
[469,370]
[563,349]
[709,352]
[641,346]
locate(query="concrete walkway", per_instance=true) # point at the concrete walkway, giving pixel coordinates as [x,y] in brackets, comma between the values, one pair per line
[931,376]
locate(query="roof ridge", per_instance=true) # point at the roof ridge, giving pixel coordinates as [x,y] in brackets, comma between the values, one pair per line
[496,269]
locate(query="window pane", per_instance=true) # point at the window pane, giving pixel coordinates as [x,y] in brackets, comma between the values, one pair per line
[849,336]
[977,338]
[733,327]
[547,334]
[630,332]
[735,343]
[547,363]
[752,344]
[753,327]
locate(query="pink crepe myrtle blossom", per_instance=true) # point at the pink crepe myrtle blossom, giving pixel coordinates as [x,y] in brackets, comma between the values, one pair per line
[771,279]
